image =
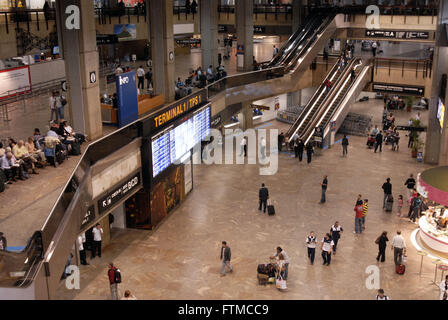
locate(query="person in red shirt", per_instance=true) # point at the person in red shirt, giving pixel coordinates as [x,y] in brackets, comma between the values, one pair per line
[358,218]
[112,282]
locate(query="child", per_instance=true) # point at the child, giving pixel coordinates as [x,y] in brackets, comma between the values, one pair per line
[365,208]
[400,205]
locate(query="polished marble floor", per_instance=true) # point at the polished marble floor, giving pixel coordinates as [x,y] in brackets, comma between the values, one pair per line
[180,259]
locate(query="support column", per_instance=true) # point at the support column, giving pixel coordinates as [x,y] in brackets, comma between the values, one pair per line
[297,19]
[81,66]
[208,11]
[435,140]
[246,117]
[160,16]
[244,19]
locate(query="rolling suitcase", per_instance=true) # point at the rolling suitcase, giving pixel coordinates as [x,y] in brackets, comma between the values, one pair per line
[389,203]
[271,209]
[400,269]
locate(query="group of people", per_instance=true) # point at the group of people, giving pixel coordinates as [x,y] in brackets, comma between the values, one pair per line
[328,244]
[19,159]
[297,145]
[143,75]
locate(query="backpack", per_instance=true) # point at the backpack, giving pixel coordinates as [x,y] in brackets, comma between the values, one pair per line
[117,276]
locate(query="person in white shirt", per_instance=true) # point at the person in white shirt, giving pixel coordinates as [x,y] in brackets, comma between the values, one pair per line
[399,247]
[128,296]
[336,231]
[97,232]
[55,104]
[381,295]
[243,146]
[141,77]
[209,74]
[374,46]
[327,246]
[444,289]
[285,258]
[82,251]
[311,245]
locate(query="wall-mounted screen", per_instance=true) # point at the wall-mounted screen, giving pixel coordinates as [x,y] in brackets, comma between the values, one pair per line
[441,112]
[170,145]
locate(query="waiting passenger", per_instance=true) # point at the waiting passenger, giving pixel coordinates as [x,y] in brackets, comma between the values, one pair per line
[11,167]
[21,153]
[69,132]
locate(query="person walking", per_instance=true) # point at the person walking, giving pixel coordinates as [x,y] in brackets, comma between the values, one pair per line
[243,146]
[263,148]
[281,138]
[263,195]
[82,251]
[358,219]
[379,141]
[311,246]
[148,77]
[416,208]
[400,205]
[344,146]
[399,248]
[381,241]
[141,77]
[381,295]
[326,246]
[309,152]
[114,276]
[300,147]
[97,232]
[279,251]
[410,185]
[387,189]
[374,47]
[324,189]
[225,258]
[335,232]
[444,289]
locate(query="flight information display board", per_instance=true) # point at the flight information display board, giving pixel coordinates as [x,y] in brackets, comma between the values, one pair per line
[173,143]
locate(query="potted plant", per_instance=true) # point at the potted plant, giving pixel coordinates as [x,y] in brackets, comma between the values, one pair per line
[409,103]
[416,147]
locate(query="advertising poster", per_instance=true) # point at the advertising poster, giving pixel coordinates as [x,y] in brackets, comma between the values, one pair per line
[125,32]
[127,98]
[14,81]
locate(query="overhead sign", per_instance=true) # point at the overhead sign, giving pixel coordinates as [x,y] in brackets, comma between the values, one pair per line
[14,81]
[127,98]
[114,196]
[391,34]
[397,88]
[178,109]
[106,39]
[89,217]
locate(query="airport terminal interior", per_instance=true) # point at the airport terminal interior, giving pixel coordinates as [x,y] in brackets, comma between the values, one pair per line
[223,150]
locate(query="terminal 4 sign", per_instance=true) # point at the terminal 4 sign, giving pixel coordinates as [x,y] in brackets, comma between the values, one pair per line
[391,34]
[397,88]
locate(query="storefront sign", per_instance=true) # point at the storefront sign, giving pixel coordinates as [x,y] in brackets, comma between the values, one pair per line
[88,217]
[391,34]
[397,88]
[114,196]
[179,109]
[14,81]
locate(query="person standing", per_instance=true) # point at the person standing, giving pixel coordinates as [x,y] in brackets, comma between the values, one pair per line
[381,241]
[226,255]
[300,147]
[279,251]
[400,205]
[379,141]
[399,247]
[309,152]
[275,51]
[82,251]
[344,146]
[311,245]
[243,146]
[55,103]
[387,189]
[114,279]
[97,232]
[444,289]
[326,246]
[141,77]
[381,295]
[374,47]
[359,200]
[263,195]
[358,219]
[281,138]
[335,231]
[3,242]
[365,210]
[148,77]
[410,185]
[263,147]
[324,189]
[416,208]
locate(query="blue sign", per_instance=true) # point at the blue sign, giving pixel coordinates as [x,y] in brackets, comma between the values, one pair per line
[127,98]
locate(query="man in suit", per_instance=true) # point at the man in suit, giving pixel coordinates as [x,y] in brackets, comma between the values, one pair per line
[263,195]
[300,147]
[225,258]
[379,141]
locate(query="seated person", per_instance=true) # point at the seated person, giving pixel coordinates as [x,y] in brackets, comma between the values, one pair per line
[210,76]
[2,150]
[33,151]
[180,84]
[11,167]
[69,132]
[38,138]
[21,153]
[11,142]
[52,138]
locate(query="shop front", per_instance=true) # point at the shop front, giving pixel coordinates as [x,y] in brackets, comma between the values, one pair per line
[432,235]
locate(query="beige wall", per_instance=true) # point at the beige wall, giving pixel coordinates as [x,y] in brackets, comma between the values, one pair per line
[407,77]
[398,22]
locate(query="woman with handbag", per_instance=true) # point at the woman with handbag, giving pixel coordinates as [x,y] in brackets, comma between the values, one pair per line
[381,241]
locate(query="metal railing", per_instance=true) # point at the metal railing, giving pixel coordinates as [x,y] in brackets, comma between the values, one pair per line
[268,10]
[183,10]
[105,15]
[422,66]
[27,16]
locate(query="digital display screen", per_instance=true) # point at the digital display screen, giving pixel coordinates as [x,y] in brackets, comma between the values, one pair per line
[441,112]
[173,143]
